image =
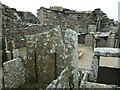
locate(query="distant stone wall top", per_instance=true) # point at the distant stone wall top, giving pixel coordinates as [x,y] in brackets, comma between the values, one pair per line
[107,52]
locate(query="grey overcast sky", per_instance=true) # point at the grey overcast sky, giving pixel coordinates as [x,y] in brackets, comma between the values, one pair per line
[108,6]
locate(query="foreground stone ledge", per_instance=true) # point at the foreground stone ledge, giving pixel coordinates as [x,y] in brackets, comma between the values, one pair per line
[107,52]
[14,74]
[86,84]
[97,85]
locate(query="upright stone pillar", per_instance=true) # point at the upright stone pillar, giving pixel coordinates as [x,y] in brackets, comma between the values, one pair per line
[71,55]
[94,67]
[69,76]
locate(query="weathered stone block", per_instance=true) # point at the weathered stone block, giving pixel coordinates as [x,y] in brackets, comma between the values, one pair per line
[52,54]
[30,62]
[111,41]
[71,54]
[107,52]
[49,55]
[14,73]
[92,28]
[94,67]
[89,40]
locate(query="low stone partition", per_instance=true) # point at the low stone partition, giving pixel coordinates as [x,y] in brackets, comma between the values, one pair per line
[14,73]
[106,52]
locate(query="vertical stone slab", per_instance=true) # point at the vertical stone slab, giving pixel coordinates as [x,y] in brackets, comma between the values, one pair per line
[14,73]
[111,41]
[89,40]
[57,40]
[94,67]
[44,59]
[49,56]
[30,62]
[71,56]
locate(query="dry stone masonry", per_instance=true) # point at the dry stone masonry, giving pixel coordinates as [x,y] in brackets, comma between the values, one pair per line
[51,40]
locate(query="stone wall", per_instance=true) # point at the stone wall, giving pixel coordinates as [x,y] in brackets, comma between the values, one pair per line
[82,21]
[13,24]
[66,18]
[16,24]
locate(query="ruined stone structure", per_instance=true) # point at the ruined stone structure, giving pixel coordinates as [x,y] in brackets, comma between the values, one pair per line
[17,24]
[51,40]
[93,76]
[58,56]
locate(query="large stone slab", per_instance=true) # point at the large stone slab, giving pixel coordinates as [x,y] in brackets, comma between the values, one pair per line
[89,40]
[111,40]
[30,62]
[14,73]
[49,55]
[71,55]
[53,51]
[107,52]
[69,76]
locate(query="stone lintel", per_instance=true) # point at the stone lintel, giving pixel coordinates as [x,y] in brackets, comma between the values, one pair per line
[107,52]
